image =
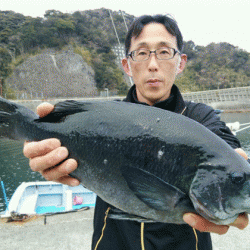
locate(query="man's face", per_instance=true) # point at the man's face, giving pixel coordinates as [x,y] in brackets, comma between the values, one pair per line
[154,78]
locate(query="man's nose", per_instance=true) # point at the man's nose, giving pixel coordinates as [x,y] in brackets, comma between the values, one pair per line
[153,62]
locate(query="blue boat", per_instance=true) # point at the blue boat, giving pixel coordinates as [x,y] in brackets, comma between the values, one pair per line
[47,197]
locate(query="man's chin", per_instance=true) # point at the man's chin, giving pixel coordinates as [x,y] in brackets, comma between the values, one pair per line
[155,97]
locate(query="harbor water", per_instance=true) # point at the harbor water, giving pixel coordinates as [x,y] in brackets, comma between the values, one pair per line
[14,168]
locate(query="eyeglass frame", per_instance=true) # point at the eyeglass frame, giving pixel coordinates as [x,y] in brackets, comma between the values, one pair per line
[154,51]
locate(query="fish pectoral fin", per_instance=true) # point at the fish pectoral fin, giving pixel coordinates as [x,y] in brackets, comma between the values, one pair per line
[152,190]
[63,109]
[118,214]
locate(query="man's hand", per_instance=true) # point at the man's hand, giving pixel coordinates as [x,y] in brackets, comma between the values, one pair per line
[203,225]
[48,156]
[241,152]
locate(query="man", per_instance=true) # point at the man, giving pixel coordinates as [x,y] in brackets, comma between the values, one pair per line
[153,48]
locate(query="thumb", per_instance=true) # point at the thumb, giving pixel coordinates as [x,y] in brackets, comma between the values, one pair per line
[44,109]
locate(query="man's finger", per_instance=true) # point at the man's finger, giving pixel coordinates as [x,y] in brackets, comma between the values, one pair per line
[67,180]
[49,160]
[44,109]
[204,225]
[34,149]
[241,152]
[60,171]
[241,222]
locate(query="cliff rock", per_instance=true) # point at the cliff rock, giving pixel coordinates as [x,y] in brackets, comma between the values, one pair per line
[51,75]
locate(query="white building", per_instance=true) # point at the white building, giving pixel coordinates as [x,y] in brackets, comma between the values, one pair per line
[119,51]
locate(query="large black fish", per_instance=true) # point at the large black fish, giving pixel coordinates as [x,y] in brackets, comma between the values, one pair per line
[147,162]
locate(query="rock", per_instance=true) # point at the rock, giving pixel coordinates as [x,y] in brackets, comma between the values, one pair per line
[51,75]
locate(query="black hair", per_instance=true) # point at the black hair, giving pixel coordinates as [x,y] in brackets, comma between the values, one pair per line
[139,23]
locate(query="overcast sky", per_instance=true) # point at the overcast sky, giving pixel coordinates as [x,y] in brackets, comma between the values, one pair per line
[202,21]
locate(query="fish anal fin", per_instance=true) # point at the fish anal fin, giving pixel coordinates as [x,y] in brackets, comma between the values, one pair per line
[118,214]
[152,190]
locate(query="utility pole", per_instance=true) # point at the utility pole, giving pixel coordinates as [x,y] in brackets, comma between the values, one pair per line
[124,20]
[114,27]
[130,79]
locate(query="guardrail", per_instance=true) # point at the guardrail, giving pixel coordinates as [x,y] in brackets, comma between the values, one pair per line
[220,95]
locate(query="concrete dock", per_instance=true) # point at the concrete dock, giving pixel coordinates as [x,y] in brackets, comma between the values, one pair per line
[62,231]
[234,239]
[74,231]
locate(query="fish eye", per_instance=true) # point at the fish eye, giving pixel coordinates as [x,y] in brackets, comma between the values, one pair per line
[238,178]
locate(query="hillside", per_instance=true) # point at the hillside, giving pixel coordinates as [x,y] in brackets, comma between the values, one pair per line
[91,35]
[215,66]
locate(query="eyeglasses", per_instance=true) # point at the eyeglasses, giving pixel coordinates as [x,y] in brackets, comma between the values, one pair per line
[165,53]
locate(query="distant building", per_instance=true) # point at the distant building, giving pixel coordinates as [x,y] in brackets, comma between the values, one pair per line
[119,50]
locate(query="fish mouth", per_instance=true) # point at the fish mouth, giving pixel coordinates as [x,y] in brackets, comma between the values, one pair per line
[204,212]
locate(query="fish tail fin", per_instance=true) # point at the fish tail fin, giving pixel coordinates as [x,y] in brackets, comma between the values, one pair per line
[8,111]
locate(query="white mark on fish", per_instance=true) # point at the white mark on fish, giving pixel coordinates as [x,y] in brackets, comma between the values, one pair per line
[105,161]
[160,154]
[220,199]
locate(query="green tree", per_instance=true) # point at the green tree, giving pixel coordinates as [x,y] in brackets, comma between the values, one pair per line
[190,50]
[5,60]
[239,59]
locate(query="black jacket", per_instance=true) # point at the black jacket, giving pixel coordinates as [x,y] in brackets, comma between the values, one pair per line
[110,234]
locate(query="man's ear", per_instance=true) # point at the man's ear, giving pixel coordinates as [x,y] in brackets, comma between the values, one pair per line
[126,66]
[182,63]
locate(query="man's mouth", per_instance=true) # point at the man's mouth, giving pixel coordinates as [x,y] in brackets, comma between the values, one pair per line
[154,82]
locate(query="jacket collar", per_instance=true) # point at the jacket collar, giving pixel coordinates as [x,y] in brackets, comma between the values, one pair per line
[174,103]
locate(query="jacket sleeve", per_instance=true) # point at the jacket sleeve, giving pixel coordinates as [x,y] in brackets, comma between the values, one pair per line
[206,115]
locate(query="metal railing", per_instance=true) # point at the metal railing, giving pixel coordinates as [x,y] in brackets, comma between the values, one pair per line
[220,95]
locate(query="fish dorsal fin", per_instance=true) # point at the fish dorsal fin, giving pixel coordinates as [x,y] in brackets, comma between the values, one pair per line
[152,190]
[7,106]
[63,109]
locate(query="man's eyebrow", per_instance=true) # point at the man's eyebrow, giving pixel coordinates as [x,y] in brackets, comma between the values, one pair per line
[168,44]
[162,43]
[142,44]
